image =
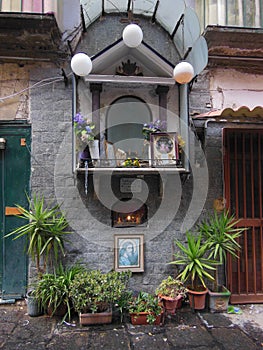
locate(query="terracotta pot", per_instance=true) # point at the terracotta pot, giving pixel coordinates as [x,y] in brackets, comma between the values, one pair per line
[171,304]
[60,311]
[141,318]
[197,299]
[96,318]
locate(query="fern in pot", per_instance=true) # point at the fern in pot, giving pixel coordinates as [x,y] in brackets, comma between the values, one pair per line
[52,290]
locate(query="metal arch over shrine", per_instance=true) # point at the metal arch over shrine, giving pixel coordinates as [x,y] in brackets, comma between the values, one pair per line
[178,20]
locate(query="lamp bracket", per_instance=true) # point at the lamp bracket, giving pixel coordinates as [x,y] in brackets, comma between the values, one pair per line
[64,76]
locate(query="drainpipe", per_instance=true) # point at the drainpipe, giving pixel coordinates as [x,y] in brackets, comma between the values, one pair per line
[208,121]
[206,126]
[74,111]
[184,122]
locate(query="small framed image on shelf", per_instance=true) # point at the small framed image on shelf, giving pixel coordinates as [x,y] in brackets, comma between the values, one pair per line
[129,252]
[164,149]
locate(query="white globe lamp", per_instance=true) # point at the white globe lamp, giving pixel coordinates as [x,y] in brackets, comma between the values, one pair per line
[81,64]
[183,72]
[132,35]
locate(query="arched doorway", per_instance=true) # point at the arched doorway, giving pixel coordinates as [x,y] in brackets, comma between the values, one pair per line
[124,122]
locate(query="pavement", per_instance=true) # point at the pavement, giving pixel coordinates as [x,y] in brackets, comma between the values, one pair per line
[182,331]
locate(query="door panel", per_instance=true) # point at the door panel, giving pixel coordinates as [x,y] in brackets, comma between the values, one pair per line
[14,180]
[243,169]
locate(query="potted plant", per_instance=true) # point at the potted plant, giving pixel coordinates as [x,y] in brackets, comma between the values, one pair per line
[52,290]
[171,292]
[221,234]
[196,267]
[93,294]
[145,309]
[45,231]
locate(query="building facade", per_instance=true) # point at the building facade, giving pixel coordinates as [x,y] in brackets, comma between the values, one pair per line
[105,201]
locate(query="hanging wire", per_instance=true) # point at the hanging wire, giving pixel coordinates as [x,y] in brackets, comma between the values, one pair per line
[40,83]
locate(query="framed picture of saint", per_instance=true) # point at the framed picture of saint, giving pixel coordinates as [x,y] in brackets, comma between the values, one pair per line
[164,149]
[129,253]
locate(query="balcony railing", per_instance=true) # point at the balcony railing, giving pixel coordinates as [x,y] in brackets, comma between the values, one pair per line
[28,6]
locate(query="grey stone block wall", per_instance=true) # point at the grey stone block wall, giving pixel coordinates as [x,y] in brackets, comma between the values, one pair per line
[50,115]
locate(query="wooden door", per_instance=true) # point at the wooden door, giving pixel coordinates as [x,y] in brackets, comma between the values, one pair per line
[243,175]
[14,183]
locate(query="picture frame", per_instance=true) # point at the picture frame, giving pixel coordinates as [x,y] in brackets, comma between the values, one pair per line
[129,252]
[164,149]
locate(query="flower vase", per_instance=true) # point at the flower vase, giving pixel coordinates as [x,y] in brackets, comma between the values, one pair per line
[94,151]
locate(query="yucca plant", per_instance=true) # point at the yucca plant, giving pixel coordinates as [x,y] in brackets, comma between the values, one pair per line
[45,231]
[193,257]
[221,234]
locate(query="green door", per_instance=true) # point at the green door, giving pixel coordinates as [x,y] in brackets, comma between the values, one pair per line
[14,182]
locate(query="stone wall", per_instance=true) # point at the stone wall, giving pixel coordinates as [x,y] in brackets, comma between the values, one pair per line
[50,113]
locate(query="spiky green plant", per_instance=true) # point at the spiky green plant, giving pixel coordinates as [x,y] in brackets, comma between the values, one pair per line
[45,231]
[221,234]
[194,260]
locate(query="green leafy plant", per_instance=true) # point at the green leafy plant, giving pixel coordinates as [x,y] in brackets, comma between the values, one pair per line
[123,302]
[145,302]
[94,291]
[171,288]
[194,260]
[52,290]
[221,234]
[45,231]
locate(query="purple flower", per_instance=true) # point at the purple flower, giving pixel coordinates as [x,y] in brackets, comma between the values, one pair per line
[79,119]
[84,128]
[157,125]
